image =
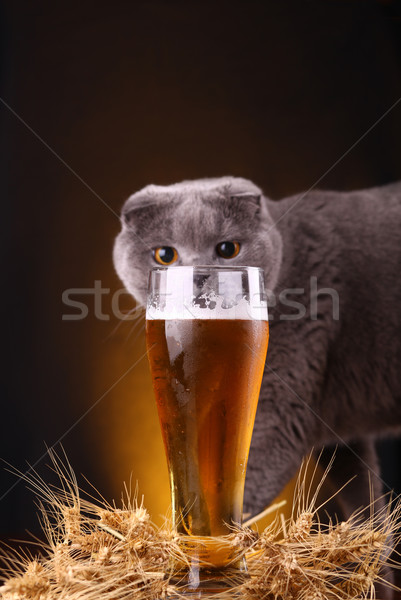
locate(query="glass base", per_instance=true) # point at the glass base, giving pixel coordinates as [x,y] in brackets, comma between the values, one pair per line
[198,583]
[212,566]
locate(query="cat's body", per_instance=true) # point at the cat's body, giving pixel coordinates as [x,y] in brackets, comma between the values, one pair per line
[333,374]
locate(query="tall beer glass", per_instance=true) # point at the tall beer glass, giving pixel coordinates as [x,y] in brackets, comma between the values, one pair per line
[207,335]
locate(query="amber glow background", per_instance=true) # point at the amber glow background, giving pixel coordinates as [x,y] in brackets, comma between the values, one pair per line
[105,98]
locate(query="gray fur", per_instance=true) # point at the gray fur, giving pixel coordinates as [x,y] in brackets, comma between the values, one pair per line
[326,381]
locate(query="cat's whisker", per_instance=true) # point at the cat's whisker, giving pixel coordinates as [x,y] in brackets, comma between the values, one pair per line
[126,318]
[138,329]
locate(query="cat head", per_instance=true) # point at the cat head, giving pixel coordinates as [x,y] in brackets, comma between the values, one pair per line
[222,221]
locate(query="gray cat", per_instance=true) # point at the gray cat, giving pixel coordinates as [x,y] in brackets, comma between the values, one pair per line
[332,263]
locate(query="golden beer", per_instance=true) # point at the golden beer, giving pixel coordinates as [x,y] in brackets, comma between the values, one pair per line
[206,378]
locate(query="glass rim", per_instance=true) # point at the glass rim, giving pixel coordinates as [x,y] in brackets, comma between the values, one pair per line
[233,289]
[208,267]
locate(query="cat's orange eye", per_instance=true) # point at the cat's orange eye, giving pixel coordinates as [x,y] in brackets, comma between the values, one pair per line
[228,249]
[165,255]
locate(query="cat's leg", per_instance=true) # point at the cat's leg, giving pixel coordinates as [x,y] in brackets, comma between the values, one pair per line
[356,466]
[276,454]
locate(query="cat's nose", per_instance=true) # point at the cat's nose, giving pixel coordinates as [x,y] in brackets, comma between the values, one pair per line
[194,260]
[200,280]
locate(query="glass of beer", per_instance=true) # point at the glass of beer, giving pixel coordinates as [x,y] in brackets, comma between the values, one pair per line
[207,334]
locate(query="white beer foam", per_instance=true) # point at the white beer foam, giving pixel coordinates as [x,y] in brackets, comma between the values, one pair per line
[212,308]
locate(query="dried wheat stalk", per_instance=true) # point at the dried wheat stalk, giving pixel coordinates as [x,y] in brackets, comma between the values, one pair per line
[95,550]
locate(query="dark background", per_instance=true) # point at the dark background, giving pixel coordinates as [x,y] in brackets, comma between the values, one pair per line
[104,98]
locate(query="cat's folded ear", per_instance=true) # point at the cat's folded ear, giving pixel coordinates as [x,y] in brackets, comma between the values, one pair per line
[254,198]
[137,210]
[128,217]
[247,202]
